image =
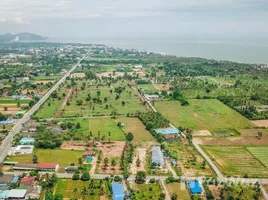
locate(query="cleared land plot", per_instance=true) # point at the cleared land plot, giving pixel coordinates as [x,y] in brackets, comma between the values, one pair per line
[135,126]
[236,161]
[261,153]
[208,114]
[201,133]
[260,123]
[179,189]
[161,87]
[146,191]
[147,88]
[253,132]
[62,157]
[66,187]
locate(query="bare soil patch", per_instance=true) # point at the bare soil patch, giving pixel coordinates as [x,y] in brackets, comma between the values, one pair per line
[197,133]
[161,87]
[43,81]
[141,154]
[110,170]
[216,191]
[78,75]
[260,123]
[253,132]
[235,141]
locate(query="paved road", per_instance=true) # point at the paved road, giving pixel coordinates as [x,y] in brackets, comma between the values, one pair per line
[6,144]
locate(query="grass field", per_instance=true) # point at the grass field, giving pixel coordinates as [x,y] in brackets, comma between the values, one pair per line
[147,191]
[261,153]
[11,101]
[236,161]
[179,189]
[135,126]
[62,157]
[202,115]
[66,187]
[104,125]
[147,88]
[89,108]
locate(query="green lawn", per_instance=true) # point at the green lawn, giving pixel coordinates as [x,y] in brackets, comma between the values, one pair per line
[236,161]
[135,126]
[63,157]
[104,125]
[147,88]
[179,189]
[66,187]
[208,114]
[261,153]
[11,101]
[147,191]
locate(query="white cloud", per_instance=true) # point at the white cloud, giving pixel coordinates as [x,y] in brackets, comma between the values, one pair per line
[16,20]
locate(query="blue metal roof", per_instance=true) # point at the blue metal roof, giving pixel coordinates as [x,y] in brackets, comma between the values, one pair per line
[166,131]
[194,187]
[6,122]
[4,194]
[118,191]
[15,179]
[27,140]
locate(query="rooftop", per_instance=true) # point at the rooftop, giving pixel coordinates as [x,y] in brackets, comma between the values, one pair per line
[3,194]
[165,131]
[194,187]
[17,193]
[118,191]
[47,165]
[157,156]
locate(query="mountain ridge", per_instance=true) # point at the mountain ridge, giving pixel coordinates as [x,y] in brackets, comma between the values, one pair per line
[24,36]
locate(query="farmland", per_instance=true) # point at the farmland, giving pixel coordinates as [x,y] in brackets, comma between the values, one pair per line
[73,189]
[179,189]
[146,191]
[202,115]
[147,88]
[135,126]
[260,153]
[62,157]
[236,161]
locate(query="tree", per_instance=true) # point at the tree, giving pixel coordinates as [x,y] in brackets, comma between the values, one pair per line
[129,137]
[113,163]
[18,104]
[174,196]
[5,108]
[75,191]
[79,102]
[138,162]
[106,162]
[1,172]
[35,159]
[76,175]
[114,113]
[58,197]
[260,135]
[49,196]
[80,161]
[123,103]
[85,176]
[140,177]
[78,125]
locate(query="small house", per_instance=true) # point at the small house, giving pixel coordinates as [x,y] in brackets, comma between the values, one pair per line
[7,122]
[27,140]
[28,181]
[16,194]
[4,194]
[21,150]
[118,191]
[157,157]
[194,187]
[168,131]
[89,154]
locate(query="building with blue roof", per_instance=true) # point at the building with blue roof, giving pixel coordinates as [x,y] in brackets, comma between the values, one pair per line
[157,157]
[15,179]
[6,122]
[118,191]
[194,187]
[4,194]
[27,140]
[167,131]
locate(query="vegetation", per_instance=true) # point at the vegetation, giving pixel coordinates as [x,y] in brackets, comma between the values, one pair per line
[153,120]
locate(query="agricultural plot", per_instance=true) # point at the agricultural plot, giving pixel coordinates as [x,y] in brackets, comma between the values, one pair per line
[62,157]
[146,191]
[236,161]
[147,88]
[102,100]
[98,127]
[261,153]
[253,132]
[136,127]
[209,115]
[179,189]
[80,190]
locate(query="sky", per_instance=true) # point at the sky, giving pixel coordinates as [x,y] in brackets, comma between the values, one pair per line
[136,18]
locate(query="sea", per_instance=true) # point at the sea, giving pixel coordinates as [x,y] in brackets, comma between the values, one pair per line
[244,51]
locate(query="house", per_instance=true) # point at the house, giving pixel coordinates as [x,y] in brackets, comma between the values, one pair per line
[169,136]
[3,194]
[118,191]
[194,187]
[20,113]
[157,157]
[53,167]
[48,167]
[28,181]
[25,166]
[168,131]
[21,96]
[16,194]
[151,97]
[26,140]
[33,192]
[7,180]
[88,154]
[21,150]
[71,168]
[7,122]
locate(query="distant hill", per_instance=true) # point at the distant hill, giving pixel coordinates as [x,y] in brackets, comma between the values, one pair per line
[21,37]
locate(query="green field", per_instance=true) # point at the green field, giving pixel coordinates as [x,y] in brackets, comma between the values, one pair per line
[129,96]
[104,125]
[236,161]
[147,88]
[261,153]
[179,189]
[11,101]
[66,187]
[135,126]
[146,191]
[208,114]
[62,157]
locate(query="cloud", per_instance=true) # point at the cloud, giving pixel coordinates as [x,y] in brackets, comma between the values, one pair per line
[16,20]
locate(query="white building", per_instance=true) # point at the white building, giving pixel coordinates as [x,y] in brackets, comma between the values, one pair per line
[21,149]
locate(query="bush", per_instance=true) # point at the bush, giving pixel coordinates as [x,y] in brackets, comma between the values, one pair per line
[152,180]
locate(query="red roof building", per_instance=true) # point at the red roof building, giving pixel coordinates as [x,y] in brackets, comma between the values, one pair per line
[47,165]
[169,136]
[28,181]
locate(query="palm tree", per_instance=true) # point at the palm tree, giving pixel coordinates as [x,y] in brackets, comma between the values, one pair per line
[84,192]
[109,136]
[75,191]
